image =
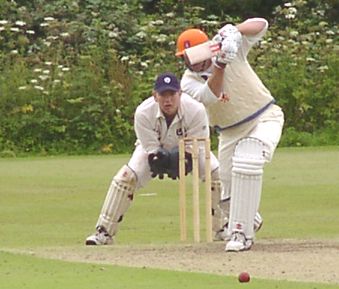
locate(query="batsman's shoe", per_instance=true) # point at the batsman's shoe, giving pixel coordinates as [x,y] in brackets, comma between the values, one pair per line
[238,242]
[101,237]
[222,234]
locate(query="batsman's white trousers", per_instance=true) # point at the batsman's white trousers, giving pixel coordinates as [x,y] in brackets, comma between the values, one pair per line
[267,128]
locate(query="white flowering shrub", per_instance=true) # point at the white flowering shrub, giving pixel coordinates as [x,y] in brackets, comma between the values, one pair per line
[73,72]
[61,81]
[298,61]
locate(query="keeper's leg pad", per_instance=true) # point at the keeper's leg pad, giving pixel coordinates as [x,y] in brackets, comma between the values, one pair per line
[247,170]
[118,199]
[220,208]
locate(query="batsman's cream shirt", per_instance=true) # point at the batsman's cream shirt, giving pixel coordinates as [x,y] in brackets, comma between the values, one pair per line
[248,95]
[151,128]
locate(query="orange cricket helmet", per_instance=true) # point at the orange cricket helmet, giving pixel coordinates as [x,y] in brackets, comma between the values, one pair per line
[189,38]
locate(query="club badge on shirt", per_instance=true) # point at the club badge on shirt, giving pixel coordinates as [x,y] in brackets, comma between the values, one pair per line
[181,132]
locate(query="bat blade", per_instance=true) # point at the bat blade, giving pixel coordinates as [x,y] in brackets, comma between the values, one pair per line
[202,52]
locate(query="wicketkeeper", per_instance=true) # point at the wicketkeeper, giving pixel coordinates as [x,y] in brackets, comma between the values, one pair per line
[244,113]
[160,121]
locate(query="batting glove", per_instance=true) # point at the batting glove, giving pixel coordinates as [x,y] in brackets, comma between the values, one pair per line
[230,39]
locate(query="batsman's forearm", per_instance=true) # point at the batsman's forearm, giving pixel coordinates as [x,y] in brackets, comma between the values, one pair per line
[215,81]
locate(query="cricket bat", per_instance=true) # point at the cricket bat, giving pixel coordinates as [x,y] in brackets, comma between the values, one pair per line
[202,52]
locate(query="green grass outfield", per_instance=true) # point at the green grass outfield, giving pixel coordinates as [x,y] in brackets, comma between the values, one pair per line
[55,201]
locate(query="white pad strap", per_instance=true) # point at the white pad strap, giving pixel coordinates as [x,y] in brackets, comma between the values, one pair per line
[118,199]
[247,171]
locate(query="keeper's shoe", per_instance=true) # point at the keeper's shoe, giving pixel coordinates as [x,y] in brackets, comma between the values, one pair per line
[238,242]
[222,234]
[101,237]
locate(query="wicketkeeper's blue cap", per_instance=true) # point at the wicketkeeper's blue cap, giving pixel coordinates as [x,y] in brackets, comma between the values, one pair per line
[166,81]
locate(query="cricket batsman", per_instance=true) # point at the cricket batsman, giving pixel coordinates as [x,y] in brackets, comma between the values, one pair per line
[160,121]
[243,112]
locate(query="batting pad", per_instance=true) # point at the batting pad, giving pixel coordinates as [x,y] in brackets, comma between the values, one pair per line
[118,199]
[248,161]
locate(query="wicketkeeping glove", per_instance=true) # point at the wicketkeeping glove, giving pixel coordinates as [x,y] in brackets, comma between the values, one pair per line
[159,162]
[173,171]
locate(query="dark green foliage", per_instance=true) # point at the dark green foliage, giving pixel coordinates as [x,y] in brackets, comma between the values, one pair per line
[298,62]
[238,8]
[73,72]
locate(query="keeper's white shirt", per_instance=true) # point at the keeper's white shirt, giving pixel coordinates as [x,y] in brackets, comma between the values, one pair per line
[152,133]
[151,128]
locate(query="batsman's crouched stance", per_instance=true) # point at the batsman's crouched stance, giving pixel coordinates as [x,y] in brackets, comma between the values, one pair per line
[160,121]
[242,110]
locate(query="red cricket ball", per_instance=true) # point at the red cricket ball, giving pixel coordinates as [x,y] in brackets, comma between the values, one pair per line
[244,277]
